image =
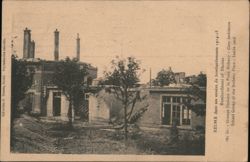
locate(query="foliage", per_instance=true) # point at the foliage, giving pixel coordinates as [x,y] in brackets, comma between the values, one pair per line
[22,77]
[137,115]
[164,78]
[174,133]
[124,82]
[197,93]
[69,77]
[201,80]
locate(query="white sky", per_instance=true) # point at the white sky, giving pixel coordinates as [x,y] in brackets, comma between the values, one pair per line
[159,34]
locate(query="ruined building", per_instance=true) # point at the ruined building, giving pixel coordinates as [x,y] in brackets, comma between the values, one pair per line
[44,98]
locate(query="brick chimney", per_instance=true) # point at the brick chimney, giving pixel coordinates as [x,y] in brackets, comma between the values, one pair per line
[26,43]
[78,47]
[56,51]
[32,49]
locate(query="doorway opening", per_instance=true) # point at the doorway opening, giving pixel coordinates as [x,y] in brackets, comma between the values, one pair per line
[56,104]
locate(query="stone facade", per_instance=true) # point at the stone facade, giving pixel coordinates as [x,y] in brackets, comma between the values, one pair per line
[43,96]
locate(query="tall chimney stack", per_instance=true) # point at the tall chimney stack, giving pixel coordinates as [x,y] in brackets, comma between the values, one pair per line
[78,47]
[26,43]
[32,49]
[56,51]
[150,78]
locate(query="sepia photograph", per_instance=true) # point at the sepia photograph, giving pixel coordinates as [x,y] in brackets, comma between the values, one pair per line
[115,78]
[64,103]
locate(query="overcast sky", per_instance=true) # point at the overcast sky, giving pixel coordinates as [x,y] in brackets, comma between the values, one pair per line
[159,34]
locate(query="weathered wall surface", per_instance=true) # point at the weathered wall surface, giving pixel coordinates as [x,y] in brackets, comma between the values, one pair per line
[105,107]
[50,104]
[152,117]
[64,107]
[99,110]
